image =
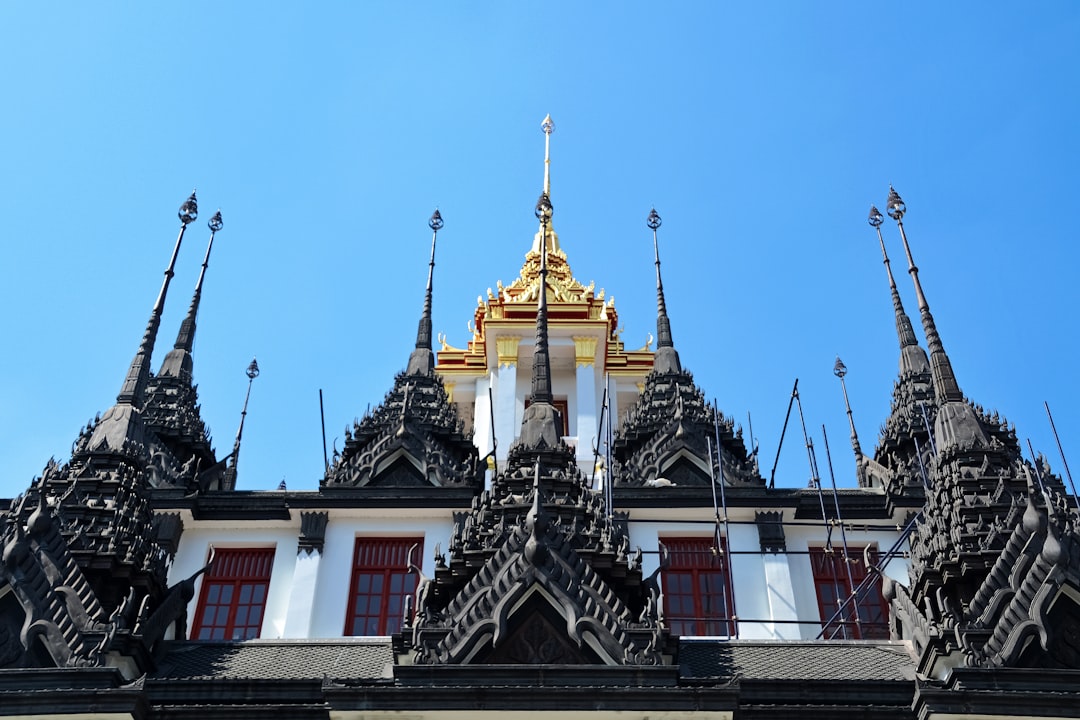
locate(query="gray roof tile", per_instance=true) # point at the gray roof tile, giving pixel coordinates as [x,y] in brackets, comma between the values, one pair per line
[278,659]
[763,660]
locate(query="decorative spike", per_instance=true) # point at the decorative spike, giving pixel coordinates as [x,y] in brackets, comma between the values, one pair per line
[666,359]
[131,393]
[422,359]
[541,377]
[904,330]
[945,385]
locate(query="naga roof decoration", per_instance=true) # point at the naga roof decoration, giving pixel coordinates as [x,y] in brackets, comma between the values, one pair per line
[995,555]
[414,438]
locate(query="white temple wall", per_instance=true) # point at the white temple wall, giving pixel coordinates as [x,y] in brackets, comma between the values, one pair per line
[194,553]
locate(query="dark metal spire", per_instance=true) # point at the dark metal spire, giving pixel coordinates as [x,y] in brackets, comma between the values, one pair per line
[840,370]
[179,358]
[131,392]
[422,359]
[541,375]
[904,330]
[945,385]
[229,483]
[666,359]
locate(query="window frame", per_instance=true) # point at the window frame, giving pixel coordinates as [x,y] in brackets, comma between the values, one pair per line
[390,561]
[233,570]
[829,576]
[709,578]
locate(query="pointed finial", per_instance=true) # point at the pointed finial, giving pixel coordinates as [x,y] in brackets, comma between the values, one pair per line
[229,482]
[945,386]
[904,330]
[422,359]
[548,127]
[189,210]
[666,359]
[876,217]
[541,380]
[179,361]
[894,205]
[131,392]
[840,370]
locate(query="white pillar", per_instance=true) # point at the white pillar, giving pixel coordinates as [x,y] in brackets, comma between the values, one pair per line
[781,594]
[587,385]
[302,594]
[506,394]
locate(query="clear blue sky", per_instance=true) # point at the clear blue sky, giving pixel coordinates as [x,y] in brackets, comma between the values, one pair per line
[328,132]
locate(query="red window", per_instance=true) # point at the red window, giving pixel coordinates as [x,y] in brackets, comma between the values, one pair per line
[832,588]
[697,589]
[234,595]
[380,582]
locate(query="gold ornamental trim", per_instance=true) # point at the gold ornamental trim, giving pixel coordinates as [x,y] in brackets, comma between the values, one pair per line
[507,347]
[585,351]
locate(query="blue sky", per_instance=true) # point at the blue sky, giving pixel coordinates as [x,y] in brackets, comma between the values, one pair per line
[326,135]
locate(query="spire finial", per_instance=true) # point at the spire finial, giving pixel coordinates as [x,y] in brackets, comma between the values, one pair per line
[185,339]
[840,370]
[422,359]
[666,358]
[229,483]
[541,380]
[131,393]
[945,385]
[548,127]
[905,332]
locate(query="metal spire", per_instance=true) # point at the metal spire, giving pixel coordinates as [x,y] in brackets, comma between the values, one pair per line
[945,385]
[230,473]
[138,375]
[179,358]
[422,359]
[541,376]
[186,337]
[666,359]
[840,370]
[551,239]
[904,331]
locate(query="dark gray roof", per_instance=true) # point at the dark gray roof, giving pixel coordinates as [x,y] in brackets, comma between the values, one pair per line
[786,660]
[278,659]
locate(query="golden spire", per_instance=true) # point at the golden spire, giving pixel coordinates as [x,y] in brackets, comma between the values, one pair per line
[548,127]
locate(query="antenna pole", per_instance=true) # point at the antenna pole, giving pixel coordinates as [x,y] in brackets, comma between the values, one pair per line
[794,394]
[1061,452]
[599,434]
[494,442]
[843,531]
[322,419]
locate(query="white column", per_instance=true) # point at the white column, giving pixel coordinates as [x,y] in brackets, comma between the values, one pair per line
[506,394]
[781,593]
[302,594]
[587,385]
[482,423]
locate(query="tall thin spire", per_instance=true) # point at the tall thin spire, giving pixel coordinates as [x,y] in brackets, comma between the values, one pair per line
[139,373]
[550,237]
[179,358]
[666,359]
[422,359]
[840,370]
[945,385]
[229,482]
[904,330]
[541,376]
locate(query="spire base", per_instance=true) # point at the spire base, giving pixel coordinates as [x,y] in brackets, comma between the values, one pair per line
[666,361]
[540,427]
[421,362]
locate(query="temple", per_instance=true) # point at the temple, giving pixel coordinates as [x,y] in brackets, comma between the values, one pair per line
[544,522]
